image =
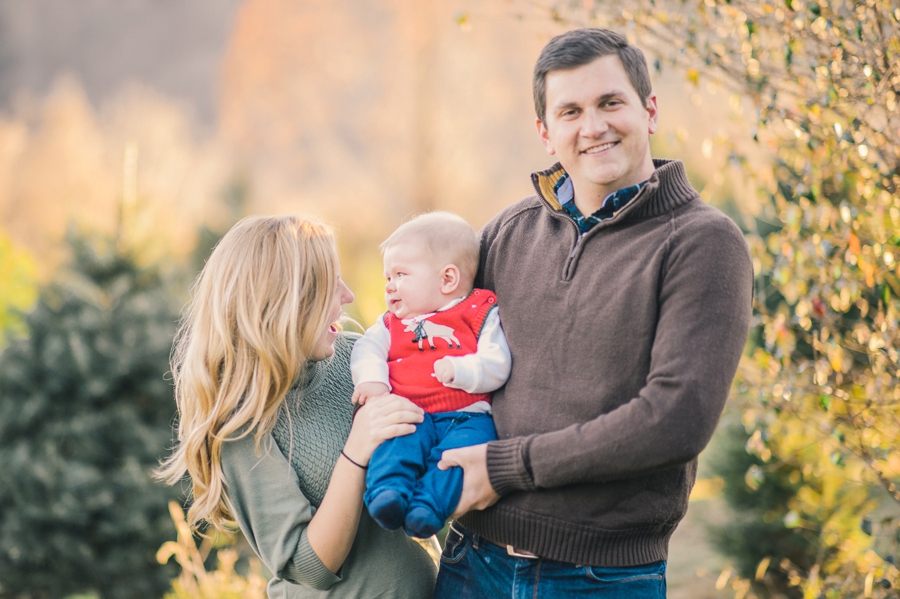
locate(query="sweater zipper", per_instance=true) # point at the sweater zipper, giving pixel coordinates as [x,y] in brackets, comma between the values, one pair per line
[569,271]
[570,262]
[568,266]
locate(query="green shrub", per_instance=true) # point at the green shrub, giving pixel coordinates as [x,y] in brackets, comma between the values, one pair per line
[85,413]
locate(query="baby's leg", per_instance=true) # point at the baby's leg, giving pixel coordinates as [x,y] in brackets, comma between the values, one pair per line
[393,470]
[437,492]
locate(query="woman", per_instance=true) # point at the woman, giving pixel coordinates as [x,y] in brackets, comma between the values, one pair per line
[266,429]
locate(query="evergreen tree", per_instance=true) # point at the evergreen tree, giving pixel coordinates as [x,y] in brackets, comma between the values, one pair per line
[760,527]
[85,414]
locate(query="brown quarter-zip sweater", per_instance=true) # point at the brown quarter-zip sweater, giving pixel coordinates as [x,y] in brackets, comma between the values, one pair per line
[624,343]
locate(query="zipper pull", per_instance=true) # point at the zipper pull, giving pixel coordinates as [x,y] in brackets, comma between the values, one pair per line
[577,243]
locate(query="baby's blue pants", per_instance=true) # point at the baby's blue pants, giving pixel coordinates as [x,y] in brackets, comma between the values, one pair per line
[406,467]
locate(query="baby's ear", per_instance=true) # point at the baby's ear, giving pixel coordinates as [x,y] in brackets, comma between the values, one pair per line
[450,278]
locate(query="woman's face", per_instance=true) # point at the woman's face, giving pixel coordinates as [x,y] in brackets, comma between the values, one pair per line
[325,345]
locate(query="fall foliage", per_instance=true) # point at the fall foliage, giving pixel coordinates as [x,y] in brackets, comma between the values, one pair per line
[819,392]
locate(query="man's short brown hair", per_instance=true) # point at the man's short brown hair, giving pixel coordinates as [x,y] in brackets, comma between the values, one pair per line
[579,47]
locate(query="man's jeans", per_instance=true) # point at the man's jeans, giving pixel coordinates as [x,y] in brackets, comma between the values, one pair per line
[473,568]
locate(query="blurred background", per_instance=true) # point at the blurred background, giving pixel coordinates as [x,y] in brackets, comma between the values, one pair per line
[134,133]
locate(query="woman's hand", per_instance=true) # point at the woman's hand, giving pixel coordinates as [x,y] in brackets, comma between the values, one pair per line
[380,419]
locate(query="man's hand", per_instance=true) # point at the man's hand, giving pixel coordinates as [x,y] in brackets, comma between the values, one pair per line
[477,492]
[365,391]
[444,371]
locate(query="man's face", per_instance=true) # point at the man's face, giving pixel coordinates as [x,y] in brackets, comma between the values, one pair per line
[598,127]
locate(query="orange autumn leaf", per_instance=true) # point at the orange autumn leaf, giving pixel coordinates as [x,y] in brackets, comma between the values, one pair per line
[868,270]
[854,244]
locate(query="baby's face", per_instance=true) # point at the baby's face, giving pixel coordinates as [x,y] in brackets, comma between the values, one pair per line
[413,281]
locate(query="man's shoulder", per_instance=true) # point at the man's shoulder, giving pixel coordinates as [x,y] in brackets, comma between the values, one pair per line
[704,230]
[700,218]
[526,206]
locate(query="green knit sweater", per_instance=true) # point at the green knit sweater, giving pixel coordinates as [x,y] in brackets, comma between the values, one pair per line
[274,495]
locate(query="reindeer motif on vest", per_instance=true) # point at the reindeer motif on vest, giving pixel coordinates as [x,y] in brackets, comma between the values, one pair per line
[423,329]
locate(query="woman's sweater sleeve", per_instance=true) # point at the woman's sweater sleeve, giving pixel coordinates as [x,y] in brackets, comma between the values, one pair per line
[264,496]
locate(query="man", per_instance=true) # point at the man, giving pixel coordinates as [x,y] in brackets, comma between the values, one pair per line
[626,302]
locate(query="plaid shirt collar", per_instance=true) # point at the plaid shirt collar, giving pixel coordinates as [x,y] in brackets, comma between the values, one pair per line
[565,193]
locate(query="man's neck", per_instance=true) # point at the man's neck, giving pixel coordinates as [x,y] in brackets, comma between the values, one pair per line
[589,203]
[589,198]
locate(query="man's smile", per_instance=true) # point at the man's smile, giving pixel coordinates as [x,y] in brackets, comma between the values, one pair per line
[600,148]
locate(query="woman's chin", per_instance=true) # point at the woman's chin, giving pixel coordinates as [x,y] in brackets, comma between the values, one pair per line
[322,352]
[325,346]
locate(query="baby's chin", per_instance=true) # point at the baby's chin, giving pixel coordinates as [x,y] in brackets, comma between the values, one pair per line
[398,312]
[405,314]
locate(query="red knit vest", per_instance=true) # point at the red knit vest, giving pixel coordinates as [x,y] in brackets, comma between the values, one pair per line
[452,332]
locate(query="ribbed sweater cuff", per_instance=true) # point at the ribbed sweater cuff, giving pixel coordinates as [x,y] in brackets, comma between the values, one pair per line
[307,569]
[506,466]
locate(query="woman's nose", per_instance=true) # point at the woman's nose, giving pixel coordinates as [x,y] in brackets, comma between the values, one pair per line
[346,294]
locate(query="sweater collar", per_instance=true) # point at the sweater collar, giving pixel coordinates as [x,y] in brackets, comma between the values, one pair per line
[666,189]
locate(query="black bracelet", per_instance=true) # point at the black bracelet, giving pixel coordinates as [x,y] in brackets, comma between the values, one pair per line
[349,459]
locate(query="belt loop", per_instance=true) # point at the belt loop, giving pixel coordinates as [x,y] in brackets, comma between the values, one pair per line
[476,541]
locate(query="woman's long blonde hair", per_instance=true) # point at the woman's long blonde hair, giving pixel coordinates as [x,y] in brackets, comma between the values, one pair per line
[256,311]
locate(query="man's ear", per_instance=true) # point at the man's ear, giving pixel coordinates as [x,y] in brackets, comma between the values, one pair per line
[653,113]
[449,279]
[545,136]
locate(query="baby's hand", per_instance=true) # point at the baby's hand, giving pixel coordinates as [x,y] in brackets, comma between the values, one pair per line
[365,391]
[444,371]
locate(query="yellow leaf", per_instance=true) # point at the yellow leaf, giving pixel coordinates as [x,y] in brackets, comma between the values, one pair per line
[869,271]
[19,284]
[837,359]
[762,567]
[723,578]
[693,76]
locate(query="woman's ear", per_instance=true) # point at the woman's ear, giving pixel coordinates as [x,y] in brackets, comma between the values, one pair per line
[449,279]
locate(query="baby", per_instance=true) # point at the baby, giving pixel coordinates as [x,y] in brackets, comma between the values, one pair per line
[440,345]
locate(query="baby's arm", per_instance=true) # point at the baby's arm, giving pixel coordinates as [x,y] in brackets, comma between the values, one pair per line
[364,391]
[484,371]
[368,363]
